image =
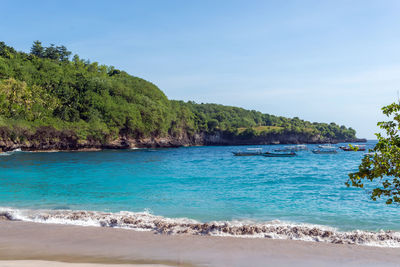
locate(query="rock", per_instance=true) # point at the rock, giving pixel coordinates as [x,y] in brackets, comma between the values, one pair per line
[5,216]
[47,138]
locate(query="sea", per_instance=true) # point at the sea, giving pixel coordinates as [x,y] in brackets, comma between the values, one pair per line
[199,190]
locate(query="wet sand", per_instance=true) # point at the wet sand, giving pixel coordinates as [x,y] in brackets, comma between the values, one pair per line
[33,243]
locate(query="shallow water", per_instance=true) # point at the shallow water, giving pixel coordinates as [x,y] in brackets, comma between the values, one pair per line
[200,183]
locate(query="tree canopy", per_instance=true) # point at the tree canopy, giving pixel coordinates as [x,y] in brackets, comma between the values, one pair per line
[380,169]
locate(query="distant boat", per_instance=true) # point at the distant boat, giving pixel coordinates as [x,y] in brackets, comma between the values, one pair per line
[276,155]
[292,148]
[249,152]
[357,148]
[324,151]
[327,146]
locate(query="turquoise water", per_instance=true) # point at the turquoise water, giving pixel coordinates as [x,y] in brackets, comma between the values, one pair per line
[201,183]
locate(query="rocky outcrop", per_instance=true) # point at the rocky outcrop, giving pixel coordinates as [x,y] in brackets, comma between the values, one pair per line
[220,138]
[49,139]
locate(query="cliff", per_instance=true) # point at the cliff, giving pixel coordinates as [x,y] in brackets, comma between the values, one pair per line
[48,139]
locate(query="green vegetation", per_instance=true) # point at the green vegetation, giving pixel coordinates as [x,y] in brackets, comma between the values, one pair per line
[239,121]
[260,129]
[46,88]
[381,168]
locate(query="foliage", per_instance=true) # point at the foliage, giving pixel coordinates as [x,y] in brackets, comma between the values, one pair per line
[17,100]
[381,167]
[212,117]
[47,88]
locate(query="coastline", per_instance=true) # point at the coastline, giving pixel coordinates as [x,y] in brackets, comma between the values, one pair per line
[66,243]
[123,143]
[145,221]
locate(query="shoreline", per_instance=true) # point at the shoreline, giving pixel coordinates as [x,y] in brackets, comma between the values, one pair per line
[144,221]
[20,148]
[66,243]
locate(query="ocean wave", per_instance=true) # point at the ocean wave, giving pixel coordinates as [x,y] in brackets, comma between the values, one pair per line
[9,153]
[145,221]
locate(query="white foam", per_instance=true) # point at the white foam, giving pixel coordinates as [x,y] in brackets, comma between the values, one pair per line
[145,221]
[9,153]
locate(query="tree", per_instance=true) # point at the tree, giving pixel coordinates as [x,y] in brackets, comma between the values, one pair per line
[51,52]
[63,53]
[15,98]
[37,49]
[6,51]
[381,169]
[212,124]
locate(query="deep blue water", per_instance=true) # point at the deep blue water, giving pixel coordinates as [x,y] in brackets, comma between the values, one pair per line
[203,183]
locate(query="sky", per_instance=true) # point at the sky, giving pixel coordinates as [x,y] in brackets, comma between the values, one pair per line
[326,61]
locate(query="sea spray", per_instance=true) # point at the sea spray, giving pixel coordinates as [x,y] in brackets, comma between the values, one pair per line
[144,221]
[12,152]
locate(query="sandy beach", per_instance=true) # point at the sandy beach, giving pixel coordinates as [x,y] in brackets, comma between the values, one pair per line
[34,244]
[38,263]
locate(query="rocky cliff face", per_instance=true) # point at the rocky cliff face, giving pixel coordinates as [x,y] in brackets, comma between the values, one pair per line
[46,139]
[220,139]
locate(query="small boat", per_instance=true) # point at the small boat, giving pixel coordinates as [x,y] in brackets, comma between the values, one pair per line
[327,146]
[357,148]
[326,151]
[276,155]
[249,152]
[292,148]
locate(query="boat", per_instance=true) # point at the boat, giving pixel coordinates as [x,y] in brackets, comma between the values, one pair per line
[324,151]
[249,152]
[292,148]
[329,146]
[276,155]
[355,148]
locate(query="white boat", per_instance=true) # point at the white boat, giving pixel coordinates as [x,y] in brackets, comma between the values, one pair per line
[249,152]
[327,146]
[292,148]
[324,151]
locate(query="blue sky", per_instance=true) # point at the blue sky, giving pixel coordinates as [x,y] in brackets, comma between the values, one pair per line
[326,61]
